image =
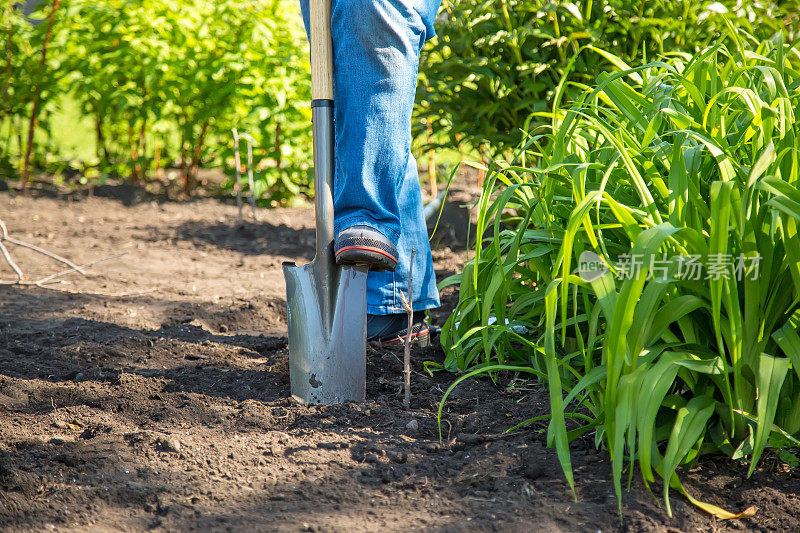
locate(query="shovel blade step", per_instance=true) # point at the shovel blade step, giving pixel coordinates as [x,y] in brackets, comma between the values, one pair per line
[327,350]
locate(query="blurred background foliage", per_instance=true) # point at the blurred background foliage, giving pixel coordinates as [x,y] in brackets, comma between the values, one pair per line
[495,63]
[149,90]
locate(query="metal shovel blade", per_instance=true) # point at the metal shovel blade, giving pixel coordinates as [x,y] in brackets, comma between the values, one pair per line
[326,303]
[327,355]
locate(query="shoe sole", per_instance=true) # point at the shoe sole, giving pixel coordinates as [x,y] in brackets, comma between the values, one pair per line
[421,339]
[365,255]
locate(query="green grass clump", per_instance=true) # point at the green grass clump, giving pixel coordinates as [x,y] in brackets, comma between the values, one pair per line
[687,162]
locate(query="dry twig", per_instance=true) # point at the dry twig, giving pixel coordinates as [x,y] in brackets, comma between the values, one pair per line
[409,305]
[4,236]
[42,283]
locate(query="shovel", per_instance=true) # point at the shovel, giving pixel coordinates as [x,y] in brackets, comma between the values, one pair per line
[327,304]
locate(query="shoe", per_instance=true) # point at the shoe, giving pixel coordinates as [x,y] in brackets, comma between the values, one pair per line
[391,330]
[362,245]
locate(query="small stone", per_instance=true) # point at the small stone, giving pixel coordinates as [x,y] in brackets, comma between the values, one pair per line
[371,458]
[388,475]
[433,447]
[413,425]
[472,423]
[60,424]
[329,445]
[279,497]
[79,376]
[469,438]
[171,444]
[532,471]
[67,459]
[223,328]
[398,457]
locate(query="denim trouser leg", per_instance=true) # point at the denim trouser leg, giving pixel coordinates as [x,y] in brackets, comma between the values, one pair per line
[376,45]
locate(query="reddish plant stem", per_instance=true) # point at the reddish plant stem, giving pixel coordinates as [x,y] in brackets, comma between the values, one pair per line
[191,175]
[102,148]
[9,64]
[26,170]
[278,141]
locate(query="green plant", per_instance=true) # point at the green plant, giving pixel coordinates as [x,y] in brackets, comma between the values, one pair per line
[182,74]
[789,458]
[693,157]
[162,83]
[495,62]
[29,79]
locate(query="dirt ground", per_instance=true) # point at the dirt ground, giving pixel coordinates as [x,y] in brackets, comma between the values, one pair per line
[157,399]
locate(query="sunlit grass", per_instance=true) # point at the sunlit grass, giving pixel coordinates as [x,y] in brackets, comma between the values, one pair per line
[691,157]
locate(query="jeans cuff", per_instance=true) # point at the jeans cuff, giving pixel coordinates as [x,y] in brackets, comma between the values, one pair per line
[361,220]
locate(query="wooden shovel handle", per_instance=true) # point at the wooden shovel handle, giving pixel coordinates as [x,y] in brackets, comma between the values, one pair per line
[321,50]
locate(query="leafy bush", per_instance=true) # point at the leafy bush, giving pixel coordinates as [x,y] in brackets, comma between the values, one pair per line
[197,69]
[497,61]
[692,161]
[29,80]
[165,82]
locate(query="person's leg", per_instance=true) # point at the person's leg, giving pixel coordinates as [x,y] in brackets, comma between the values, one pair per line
[376,47]
[384,288]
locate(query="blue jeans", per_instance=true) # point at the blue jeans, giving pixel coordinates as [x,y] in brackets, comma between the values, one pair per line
[376,46]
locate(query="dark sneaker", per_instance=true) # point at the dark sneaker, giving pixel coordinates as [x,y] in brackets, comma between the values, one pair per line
[391,330]
[362,245]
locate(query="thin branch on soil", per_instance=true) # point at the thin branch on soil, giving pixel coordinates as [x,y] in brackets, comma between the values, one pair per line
[7,254]
[409,305]
[420,374]
[5,237]
[11,263]
[125,294]
[41,283]
[70,270]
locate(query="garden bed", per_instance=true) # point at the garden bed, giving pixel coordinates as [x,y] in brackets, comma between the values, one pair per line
[156,397]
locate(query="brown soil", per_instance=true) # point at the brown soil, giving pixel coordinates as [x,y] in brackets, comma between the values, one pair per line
[157,398]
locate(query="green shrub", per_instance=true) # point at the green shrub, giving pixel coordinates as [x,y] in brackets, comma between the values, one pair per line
[695,157]
[163,84]
[495,62]
[29,82]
